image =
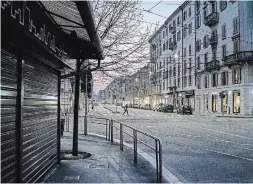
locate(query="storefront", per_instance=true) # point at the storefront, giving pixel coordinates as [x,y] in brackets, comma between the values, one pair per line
[214,103]
[34,49]
[236,101]
[224,101]
[146,100]
[189,95]
[205,103]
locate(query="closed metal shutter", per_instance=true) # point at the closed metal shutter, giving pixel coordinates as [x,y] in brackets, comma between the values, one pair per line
[8,116]
[39,120]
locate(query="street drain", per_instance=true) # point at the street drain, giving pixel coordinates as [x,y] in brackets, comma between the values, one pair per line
[67,155]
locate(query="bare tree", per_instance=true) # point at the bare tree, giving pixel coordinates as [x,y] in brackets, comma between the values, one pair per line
[124,38]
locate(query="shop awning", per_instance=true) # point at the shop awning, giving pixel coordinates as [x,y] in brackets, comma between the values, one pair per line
[56,30]
[76,16]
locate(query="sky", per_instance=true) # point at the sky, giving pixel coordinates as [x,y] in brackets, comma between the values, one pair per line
[164,9]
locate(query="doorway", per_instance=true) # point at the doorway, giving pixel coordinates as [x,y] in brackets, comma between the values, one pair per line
[236,101]
[224,104]
[214,103]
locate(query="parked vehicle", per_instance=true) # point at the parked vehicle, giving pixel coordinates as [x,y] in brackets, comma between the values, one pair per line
[159,107]
[186,109]
[136,106]
[147,107]
[168,108]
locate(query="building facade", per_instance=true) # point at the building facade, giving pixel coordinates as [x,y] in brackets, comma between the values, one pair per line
[131,89]
[202,56]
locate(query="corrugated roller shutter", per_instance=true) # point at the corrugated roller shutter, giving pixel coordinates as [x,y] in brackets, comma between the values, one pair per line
[39,120]
[8,116]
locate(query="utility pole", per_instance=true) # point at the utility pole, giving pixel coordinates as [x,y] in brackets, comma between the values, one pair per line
[76,104]
[86,104]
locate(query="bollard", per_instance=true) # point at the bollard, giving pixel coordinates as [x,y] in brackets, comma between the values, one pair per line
[121,137]
[135,145]
[85,125]
[158,161]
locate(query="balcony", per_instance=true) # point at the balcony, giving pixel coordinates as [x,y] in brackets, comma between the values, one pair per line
[212,19]
[173,29]
[238,58]
[213,40]
[212,65]
[172,46]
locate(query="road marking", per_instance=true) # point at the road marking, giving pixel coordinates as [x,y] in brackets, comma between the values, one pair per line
[150,126]
[228,133]
[244,158]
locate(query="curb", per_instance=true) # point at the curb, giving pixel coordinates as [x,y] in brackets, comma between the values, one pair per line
[234,116]
[167,175]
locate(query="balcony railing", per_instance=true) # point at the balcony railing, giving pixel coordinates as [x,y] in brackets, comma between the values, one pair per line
[212,65]
[212,19]
[213,40]
[238,58]
[173,29]
[172,46]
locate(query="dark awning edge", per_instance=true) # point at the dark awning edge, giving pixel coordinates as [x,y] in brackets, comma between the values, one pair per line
[87,16]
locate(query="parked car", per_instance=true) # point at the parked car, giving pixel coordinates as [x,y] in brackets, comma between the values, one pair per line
[136,106]
[159,107]
[186,109]
[147,107]
[168,108]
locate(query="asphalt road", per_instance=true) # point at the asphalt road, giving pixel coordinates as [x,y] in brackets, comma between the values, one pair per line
[195,148]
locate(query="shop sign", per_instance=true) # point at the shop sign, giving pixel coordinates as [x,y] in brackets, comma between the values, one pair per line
[46,37]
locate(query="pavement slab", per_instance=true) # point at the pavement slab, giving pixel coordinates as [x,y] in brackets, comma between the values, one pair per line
[108,164]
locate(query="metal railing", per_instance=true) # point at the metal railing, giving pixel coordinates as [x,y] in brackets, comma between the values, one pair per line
[124,130]
[239,56]
[111,126]
[212,65]
[211,19]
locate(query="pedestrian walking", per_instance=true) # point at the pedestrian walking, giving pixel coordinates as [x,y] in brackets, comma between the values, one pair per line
[125,110]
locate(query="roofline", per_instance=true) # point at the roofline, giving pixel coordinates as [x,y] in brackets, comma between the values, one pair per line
[87,16]
[167,20]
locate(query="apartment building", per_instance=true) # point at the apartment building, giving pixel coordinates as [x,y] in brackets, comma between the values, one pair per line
[132,89]
[172,58]
[224,57]
[202,56]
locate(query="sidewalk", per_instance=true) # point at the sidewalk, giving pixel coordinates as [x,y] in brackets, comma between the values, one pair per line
[106,165]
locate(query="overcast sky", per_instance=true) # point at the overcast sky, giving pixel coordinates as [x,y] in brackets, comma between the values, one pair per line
[164,9]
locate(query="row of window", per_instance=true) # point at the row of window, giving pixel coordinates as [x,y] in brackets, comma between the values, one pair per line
[216,79]
[187,81]
[223,81]
[223,53]
[223,5]
[214,35]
